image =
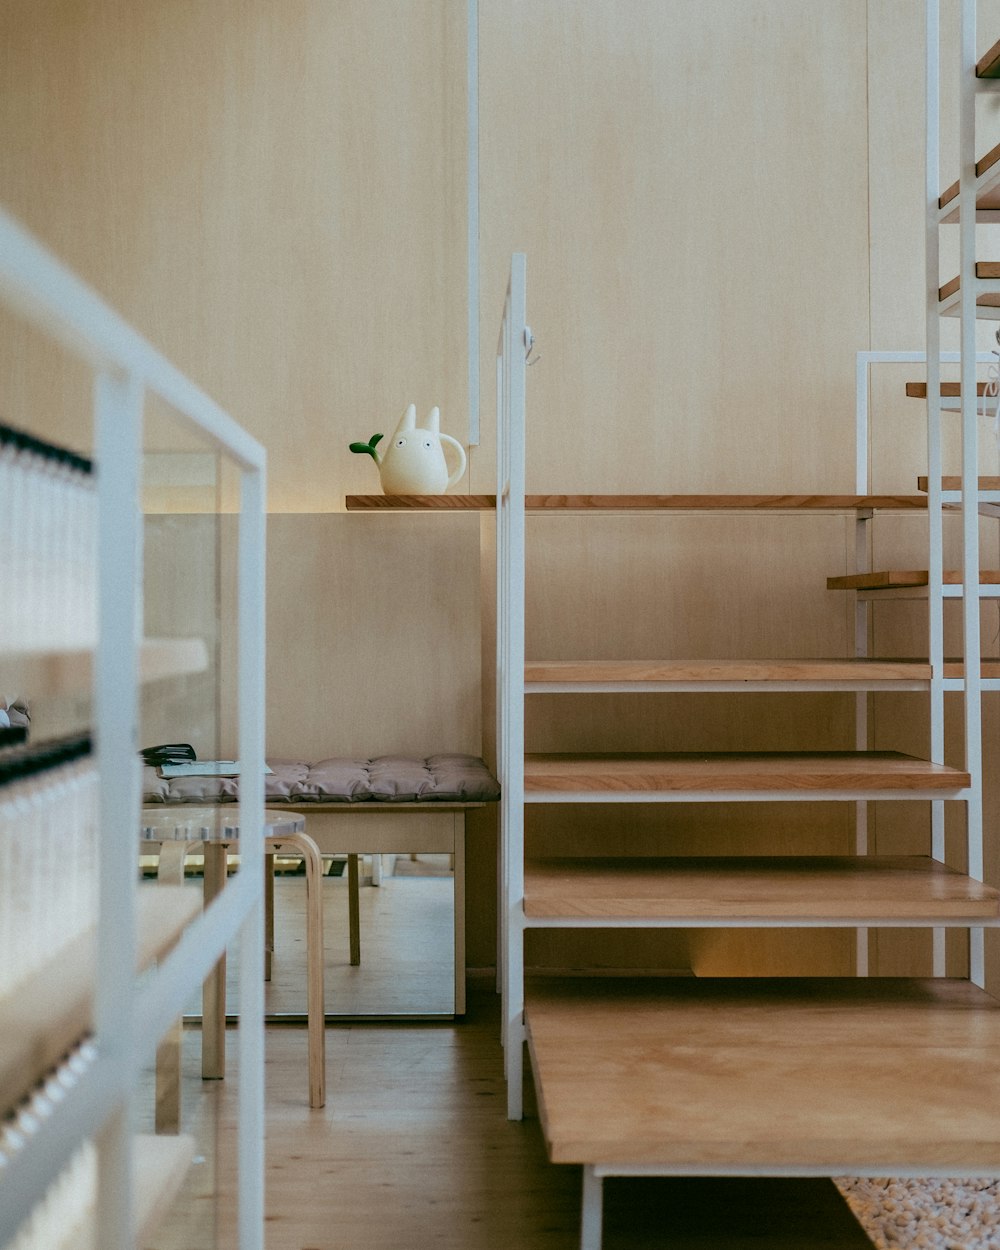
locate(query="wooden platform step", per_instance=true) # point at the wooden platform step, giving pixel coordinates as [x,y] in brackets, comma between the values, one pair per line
[640,503]
[745,890]
[784,1076]
[671,674]
[687,774]
[891,579]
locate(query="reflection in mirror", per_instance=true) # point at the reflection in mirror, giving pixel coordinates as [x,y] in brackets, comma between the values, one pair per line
[404,932]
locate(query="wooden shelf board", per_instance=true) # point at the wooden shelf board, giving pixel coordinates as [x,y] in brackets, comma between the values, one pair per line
[777,671]
[51,1011]
[815,888]
[722,772]
[46,673]
[420,503]
[722,503]
[887,579]
[161,1165]
[639,503]
[842,1073]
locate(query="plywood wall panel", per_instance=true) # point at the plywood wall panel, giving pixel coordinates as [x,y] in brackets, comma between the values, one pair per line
[373,635]
[272,193]
[690,185]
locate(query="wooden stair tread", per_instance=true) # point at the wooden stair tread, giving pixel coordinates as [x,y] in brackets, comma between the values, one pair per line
[953,482]
[989,196]
[886,579]
[50,1012]
[722,772]
[845,1073]
[818,670]
[984,269]
[740,888]
[638,503]
[949,390]
[988,65]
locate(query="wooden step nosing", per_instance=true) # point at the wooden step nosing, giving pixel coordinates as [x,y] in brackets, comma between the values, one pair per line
[745,796]
[951,919]
[747,686]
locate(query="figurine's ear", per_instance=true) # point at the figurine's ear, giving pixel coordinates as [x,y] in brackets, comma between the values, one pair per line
[408,421]
[434,421]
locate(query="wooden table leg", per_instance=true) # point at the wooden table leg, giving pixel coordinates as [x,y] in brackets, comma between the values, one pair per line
[458,861]
[170,871]
[354,909]
[213,994]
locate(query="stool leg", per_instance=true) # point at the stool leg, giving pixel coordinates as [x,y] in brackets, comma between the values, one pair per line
[168,1053]
[354,909]
[314,956]
[213,994]
[315,1009]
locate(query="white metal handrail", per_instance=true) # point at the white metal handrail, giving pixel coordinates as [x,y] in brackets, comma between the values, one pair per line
[39,288]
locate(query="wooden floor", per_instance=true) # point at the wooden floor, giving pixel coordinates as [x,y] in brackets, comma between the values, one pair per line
[413,1151]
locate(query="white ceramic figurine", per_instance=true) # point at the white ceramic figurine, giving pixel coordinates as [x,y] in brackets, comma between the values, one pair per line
[413,462]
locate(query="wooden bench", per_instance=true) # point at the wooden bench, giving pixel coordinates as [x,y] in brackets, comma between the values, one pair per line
[358,807]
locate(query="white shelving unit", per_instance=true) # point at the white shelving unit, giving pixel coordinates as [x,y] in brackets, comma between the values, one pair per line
[74,1039]
[682,1076]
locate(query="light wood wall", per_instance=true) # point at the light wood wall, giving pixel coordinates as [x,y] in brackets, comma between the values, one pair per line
[721,204]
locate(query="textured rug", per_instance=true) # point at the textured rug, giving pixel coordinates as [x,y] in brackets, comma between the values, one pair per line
[926,1214]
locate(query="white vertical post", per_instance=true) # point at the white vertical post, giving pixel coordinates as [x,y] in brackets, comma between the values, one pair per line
[118,402]
[970,468]
[501,607]
[511,499]
[472,174]
[251,695]
[862,563]
[591,1210]
[935,515]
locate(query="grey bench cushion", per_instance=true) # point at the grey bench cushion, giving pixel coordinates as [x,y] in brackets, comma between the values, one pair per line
[450,778]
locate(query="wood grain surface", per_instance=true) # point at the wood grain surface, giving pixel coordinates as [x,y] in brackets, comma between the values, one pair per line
[886,771]
[783,1074]
[754,887]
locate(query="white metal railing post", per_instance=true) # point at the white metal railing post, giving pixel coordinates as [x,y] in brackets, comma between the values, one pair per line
[118,403]
[512,485]
[472,188]
[500,602]
[972,651]
[862,616]
[935,512]
[251,716]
